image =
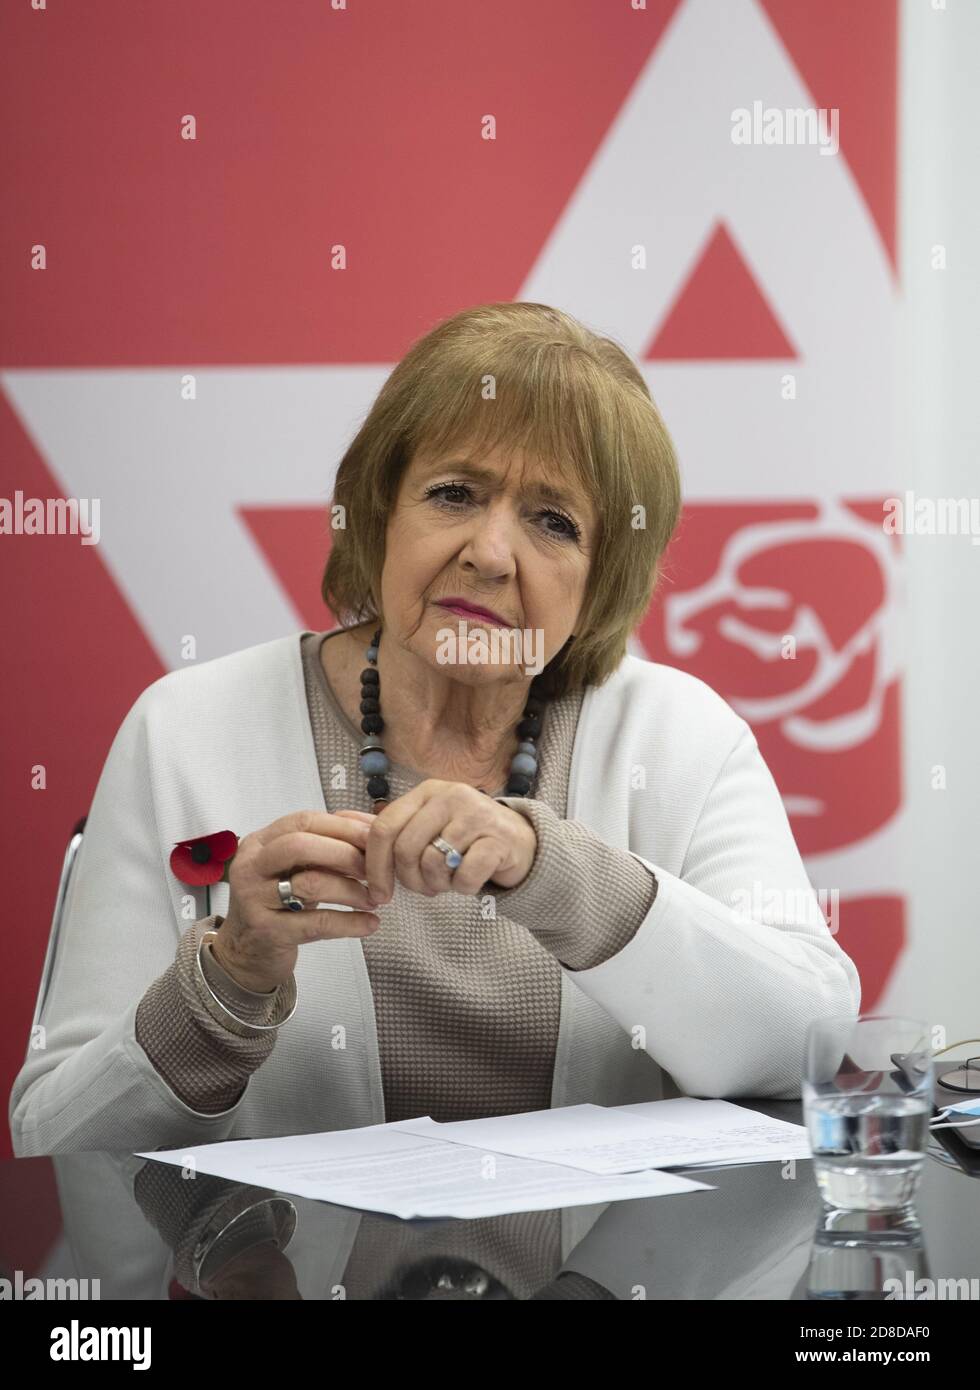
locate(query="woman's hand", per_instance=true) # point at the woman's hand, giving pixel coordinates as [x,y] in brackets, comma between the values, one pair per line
[323,856]
[496,842]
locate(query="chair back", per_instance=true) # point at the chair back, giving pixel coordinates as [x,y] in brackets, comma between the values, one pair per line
[71,854]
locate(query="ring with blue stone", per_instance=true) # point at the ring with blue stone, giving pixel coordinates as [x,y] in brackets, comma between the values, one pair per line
[288,898]
[453,856]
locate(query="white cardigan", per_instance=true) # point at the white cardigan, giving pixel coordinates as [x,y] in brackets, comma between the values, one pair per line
[704,1000]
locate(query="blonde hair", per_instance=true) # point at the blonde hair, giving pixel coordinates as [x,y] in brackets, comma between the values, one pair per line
[560,392]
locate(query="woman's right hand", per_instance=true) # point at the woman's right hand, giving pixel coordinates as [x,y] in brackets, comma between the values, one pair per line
[323,856]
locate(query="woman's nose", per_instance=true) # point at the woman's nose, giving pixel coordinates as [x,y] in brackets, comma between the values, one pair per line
[493,542]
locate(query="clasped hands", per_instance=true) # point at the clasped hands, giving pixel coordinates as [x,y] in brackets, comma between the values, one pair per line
[259,939]
[497,843]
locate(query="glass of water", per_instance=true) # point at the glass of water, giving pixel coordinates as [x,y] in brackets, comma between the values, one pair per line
[867,1101]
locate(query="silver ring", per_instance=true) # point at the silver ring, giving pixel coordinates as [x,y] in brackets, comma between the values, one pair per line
[288,898]
[453,856]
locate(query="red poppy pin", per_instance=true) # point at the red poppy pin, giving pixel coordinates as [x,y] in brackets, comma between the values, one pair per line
[204,861]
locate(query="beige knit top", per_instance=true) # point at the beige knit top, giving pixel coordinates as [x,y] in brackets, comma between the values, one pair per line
[466,1005]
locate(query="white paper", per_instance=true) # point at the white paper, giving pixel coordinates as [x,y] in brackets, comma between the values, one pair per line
[733,1129]
[379,1168]
[624,1139]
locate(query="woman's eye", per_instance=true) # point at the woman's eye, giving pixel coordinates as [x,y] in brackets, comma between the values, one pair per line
[571,531]
[449,488]
[439,495]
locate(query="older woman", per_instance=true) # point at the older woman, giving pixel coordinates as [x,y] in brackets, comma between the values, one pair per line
[487,859]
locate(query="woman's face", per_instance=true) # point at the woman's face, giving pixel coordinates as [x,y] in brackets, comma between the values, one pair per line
[486,529]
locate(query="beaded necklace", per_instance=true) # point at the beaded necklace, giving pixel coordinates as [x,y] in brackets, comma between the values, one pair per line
[374,760]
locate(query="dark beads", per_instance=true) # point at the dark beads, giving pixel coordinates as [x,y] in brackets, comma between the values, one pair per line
[523,767]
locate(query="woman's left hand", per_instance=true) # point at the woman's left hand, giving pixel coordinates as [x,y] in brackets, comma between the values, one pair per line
[497,843]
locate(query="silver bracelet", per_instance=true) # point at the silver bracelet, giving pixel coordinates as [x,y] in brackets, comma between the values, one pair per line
[242,1027]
